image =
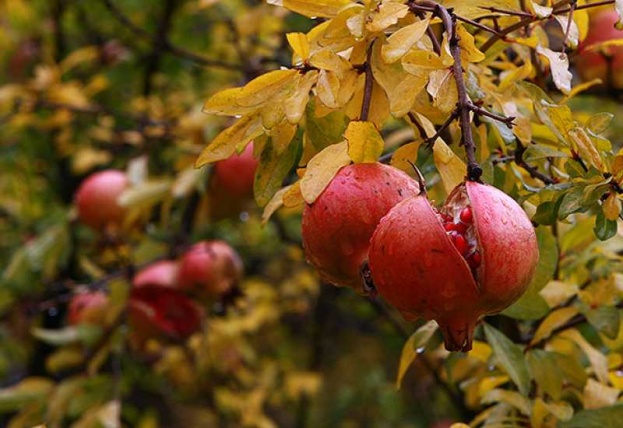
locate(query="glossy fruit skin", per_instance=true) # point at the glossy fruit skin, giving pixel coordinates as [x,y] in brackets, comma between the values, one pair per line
[88,308]
[592,64]
[210,269]
[337,227]
[236,174]
[417,269]
[96,199]
[164,273]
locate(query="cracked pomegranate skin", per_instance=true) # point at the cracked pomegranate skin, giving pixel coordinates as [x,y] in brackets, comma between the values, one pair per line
[417,269]
[338,226]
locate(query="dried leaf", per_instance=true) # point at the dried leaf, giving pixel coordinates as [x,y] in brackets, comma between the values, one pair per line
[559,66]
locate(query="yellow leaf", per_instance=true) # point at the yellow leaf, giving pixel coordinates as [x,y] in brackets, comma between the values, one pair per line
[274,204]
[596,358]
[405,154]
[612,207]
[442,87]
[598,395]
[475,9]
[327,89]
[300,44]
[451,168]
[322,168]
[412,347]
[399,43]
[469,51]
[224,103]
[225,143]
[586,148]
[401,88]
[559,66]
[79,56]
[265,88]
[514,398]
[293,197]
[388,15]
[294,105]
[418,61]
[282,136]
[555,319]
[314,8]
[328,60]
[365,144]
[508,78]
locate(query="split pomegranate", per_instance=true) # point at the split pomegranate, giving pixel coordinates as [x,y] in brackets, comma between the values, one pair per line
[338,226]
[473,257]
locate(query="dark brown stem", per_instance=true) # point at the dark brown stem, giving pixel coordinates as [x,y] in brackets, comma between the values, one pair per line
[429,141]
[479,25]
[368,87]
[508,121]
[534,173]
[429,31]
[587,6]
[494,9]
[569,21]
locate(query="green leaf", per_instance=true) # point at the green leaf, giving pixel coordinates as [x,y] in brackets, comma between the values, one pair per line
[326,130]
[272,169]
[547,212]
[599,122]
[531,305]
[541,151]
[605,319]
[510,357]
[545,372]
[28,390]
[572,201]
[604,228]
[413,346]
[606,417]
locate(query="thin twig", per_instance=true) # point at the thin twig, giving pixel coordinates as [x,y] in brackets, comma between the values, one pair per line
[569,21]
[479,25]
[508,121]
[534,173]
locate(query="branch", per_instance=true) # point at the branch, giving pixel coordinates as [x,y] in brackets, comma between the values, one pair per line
[368,86]
[534,173]
[508,121]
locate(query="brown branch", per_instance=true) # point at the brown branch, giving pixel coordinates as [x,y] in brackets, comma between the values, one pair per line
[569,21]
[368,86]
[479,25]
[498,10]
[508,121]
[533,171]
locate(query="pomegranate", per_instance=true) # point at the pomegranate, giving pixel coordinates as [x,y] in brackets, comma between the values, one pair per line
[88,308]
[236,173]
[97,196]
[338,226]
[605,63]
[163,273]
[154,311]
[210,269]
[473,257]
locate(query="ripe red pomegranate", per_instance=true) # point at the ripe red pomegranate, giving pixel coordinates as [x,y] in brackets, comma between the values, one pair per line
[88,308]
[155,311]
[236,173]
[473,257]
[210,269]
[606,63]
[163,274]
[338,226]
[97,196]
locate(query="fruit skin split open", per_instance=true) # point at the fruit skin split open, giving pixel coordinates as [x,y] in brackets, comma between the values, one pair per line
[417,268]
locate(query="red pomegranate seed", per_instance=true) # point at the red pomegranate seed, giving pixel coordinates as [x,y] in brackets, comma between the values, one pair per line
[466,215]
[459,242]
[474,260]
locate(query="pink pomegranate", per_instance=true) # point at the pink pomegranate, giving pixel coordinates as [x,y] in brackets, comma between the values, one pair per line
[88,308]
[163,273]
[473,257]
[237,173]
[210,269]
[338,226]
[97,196]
